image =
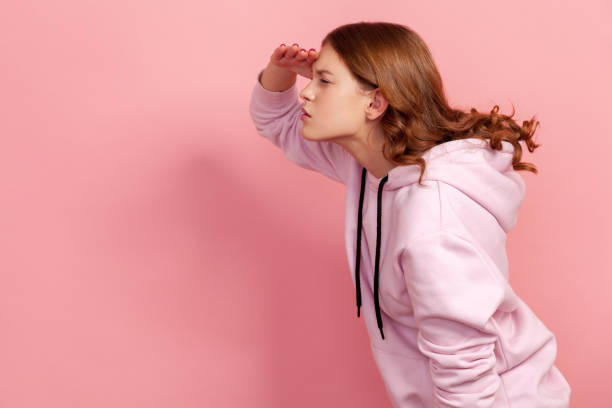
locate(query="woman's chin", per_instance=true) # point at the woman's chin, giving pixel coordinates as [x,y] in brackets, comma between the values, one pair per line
[306,135]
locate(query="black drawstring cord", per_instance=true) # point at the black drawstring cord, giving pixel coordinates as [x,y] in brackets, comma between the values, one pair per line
[358,254]
[378,230]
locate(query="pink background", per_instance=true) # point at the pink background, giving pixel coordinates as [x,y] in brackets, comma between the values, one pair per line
[156,252]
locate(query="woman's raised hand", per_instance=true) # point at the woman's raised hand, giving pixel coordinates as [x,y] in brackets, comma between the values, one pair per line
[295,59]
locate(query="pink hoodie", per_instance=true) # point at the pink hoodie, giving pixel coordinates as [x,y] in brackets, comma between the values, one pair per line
[445,327]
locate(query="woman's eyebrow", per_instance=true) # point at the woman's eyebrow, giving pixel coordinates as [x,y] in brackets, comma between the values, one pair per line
[323,71]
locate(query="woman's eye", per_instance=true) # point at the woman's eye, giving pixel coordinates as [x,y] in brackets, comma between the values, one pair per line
[324,81]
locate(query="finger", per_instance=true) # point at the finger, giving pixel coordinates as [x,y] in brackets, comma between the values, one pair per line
[301,55]
[279,52]
[292,51]
[312,55]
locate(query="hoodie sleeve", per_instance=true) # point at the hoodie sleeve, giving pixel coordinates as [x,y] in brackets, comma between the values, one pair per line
[276,116]
[454,293]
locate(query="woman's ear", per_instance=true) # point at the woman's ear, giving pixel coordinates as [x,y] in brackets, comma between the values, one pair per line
[378,104]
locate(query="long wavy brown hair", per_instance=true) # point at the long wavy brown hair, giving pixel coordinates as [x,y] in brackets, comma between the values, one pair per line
[395,59]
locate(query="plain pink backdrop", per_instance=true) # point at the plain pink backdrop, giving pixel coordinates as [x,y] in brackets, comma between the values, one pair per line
[156,252]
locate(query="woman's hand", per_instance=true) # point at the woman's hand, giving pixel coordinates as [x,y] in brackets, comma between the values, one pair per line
[295,59]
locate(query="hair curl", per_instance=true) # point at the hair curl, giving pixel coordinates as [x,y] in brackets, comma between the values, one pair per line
[395,59]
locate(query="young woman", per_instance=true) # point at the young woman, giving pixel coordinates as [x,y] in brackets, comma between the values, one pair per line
[431,194]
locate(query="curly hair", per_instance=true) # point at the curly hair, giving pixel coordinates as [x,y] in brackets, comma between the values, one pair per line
[395,59]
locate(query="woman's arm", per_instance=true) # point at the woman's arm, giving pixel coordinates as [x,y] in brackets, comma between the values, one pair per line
[454,293]
[276,115]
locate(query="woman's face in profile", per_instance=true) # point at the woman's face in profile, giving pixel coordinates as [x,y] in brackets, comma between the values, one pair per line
[333,100]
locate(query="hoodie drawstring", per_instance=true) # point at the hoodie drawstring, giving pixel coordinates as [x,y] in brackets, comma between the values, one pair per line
[358,255]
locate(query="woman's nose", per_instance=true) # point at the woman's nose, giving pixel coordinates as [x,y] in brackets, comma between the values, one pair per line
[305,92]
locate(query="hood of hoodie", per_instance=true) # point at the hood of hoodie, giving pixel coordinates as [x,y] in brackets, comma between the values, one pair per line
[484,174]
